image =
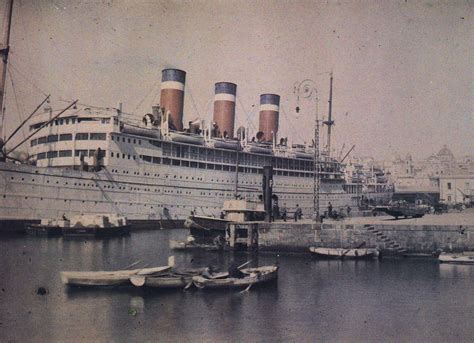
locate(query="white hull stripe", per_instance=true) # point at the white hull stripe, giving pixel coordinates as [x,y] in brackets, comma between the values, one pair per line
[172,85]
[269,107]
[224,97]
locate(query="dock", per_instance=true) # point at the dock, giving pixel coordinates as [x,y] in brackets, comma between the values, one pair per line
[432,233]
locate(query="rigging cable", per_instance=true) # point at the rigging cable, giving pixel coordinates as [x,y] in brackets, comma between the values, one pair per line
[246,114]
[146,96]
[10,64]
[290,122]
[193,102]
[20,110]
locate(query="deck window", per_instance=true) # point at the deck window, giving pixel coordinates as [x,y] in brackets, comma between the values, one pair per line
[65,153]
[82,136]
[52,154]
[98,136]
[65,137]
[81,153]
[156,160]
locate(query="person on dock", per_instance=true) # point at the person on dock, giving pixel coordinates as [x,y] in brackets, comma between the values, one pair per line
[330,210]
[298,213]
[275,212]
[283,213]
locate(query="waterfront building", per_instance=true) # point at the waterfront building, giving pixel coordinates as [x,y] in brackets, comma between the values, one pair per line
[457,189]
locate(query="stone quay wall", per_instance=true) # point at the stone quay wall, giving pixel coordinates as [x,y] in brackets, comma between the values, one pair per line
[389,238]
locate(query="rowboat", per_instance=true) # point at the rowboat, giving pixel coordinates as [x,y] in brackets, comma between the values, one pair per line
[110,278]
[252,276]
[466,257]
[179,245]
[173,279]
[340,253]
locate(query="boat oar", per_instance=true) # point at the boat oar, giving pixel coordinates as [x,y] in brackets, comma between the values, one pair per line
[133,264]
[243,265]
[188,286]
[347,251]
[246,289]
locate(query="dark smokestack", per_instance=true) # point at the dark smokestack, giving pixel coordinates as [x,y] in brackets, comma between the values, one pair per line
[172,95]
[224,108]
[269,110]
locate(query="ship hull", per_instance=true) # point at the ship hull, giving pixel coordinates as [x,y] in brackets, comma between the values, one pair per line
[30,193]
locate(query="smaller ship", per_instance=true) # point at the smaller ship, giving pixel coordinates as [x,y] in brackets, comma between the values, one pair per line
[82,225]
[206,228]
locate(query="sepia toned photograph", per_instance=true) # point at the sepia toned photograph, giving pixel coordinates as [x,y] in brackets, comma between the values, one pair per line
[236,171]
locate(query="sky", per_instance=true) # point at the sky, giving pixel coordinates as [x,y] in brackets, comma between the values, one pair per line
[403,70]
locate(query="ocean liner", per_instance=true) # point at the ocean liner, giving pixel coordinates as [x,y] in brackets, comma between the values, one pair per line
[155,171]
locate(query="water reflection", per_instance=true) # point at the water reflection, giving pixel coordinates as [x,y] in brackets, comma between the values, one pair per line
[312,300]
[456,271]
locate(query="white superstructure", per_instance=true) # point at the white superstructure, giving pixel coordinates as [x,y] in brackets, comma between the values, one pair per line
[93,161]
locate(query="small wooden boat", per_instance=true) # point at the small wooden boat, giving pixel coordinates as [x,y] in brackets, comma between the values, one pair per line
[466,257]
[173,279]
[252,276]
[178,245]
[107,278]
[340,253]
[110,278]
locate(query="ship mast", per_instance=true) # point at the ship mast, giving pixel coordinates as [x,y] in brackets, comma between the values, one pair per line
[4,49]
[329,122]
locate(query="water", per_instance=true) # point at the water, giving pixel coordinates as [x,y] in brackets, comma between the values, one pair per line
[366,301]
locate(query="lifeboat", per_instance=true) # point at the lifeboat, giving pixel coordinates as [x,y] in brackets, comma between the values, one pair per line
[259,148]
[223,143]
[140,131]
[304,155]
[188,138]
